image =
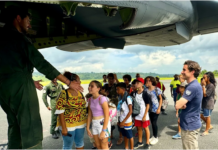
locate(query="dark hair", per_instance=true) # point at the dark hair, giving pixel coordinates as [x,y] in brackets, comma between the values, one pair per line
[127,77]
[104,76]
[99,85]
[193,66]
[176,77]
[202,79]
[153,81]
[110,75]
[70,76]
[211,77]
[134,81]
[121,85]
[13,11]
[88,96]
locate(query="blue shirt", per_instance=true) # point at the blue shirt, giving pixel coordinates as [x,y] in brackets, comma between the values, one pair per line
[190,117]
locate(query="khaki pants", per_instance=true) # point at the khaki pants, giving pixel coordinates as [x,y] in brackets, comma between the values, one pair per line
[190,139]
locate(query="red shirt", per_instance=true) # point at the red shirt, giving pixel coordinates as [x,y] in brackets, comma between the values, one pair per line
[159,86]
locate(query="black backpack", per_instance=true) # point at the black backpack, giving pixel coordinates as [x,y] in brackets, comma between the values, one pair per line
[145,95]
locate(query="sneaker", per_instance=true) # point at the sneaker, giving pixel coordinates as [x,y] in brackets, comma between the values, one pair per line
[154,141]
[151,139]
[164,113]
[138,144]
[54,136]
[177,136]
[147,146]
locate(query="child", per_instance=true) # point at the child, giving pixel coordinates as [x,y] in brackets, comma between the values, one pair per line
[156,98]
[127,79]
[113,118]
[69,121]
[181,91]
[142,120]
[98,113]
[125,119]
[134,89]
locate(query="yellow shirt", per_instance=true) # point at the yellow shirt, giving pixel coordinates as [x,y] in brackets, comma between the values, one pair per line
[74,110]
[174,84]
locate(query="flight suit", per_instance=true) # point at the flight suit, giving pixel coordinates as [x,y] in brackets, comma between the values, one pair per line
[52,91]
[18,95]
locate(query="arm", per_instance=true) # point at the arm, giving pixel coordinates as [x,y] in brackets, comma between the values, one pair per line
[128,115]
[89,119]
[177,112]
[60,109]
[181,103]
[160,104]
[204,91]
[147,99]
[44,97]
[38,85]
[146,112]
[106,119]
[63,124]
[44,67]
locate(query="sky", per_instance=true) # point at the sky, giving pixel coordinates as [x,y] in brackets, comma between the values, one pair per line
[139,58]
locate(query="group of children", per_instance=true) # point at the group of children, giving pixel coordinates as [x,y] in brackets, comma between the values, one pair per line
[116,104]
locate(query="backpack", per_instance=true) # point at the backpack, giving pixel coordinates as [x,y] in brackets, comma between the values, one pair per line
[135,106]
[144,93]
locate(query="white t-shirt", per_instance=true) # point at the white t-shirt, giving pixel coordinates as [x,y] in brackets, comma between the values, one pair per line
[141,102]
[125,110]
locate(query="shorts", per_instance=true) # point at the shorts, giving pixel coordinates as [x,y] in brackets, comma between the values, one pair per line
[139,123]
[97,126]
[206,112]
[126,133]
[77,137]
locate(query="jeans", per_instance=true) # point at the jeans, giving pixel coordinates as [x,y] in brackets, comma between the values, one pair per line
[77,137]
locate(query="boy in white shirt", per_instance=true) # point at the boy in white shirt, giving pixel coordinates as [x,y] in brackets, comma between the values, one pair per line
[142,120]
[125,111]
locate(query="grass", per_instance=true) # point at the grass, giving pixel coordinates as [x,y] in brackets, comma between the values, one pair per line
[44,83]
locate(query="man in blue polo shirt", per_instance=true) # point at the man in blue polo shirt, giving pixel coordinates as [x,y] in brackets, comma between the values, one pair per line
[190,102]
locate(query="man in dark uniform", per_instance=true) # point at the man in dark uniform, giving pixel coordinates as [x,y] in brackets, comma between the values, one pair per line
[18,97]
[52,90]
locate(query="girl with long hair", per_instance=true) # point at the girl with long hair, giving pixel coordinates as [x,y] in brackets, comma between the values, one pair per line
[98,114]
[208,86]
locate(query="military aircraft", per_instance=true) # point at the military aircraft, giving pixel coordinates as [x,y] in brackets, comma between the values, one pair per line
[89,25]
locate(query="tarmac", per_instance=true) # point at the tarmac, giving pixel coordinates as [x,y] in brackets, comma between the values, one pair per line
[167,127]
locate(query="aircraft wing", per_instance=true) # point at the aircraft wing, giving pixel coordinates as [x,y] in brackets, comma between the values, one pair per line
[89,25]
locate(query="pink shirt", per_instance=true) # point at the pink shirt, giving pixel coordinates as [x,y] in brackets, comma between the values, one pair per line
[96,105]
